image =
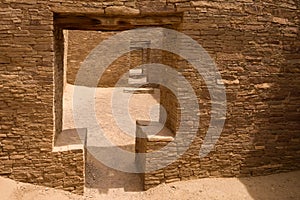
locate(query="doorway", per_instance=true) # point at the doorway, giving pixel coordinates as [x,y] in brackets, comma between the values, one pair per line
[68,34]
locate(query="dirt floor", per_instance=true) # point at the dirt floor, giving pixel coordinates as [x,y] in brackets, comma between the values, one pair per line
[280,186]
[105,183]
[139,106]
[118,127]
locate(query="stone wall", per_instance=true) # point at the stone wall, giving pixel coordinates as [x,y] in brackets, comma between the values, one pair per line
[257,59]
[80,44]
[148,142]
[255,45]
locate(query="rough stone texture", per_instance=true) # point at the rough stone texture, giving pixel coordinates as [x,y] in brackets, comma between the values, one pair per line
[257,59]
[121,10]
[255,45]
[149,140]
[81,43]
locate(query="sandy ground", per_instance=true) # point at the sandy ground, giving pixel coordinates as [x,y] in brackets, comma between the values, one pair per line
[117,121]
[106,183]
[117,129]
[280,186]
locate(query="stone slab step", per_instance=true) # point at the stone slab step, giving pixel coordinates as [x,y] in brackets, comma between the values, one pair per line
[138,90]
[142,80]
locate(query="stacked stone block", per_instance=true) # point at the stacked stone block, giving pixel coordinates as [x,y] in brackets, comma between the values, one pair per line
[255,45]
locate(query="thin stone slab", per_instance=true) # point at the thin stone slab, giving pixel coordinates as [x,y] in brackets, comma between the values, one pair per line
[155,131]
[71,137]
[138,90]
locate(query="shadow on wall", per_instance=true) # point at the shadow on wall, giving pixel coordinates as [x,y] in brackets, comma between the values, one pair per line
[275,113]
[103,178]
[275,134]
[275,124]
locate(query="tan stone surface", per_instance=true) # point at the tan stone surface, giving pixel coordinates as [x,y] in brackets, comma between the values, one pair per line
[280,186]
[261,134]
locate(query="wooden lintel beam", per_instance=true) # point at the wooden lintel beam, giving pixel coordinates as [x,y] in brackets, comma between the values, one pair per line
[81,21]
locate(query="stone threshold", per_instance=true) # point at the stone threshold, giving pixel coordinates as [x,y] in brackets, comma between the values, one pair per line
[154,131]
[138,90]
[70,139]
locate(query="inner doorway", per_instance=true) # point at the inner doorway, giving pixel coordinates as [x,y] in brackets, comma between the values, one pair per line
[143,105]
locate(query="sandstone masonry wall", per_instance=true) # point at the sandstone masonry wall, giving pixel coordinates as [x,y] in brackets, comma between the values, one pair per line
[255,45]
[81,43]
